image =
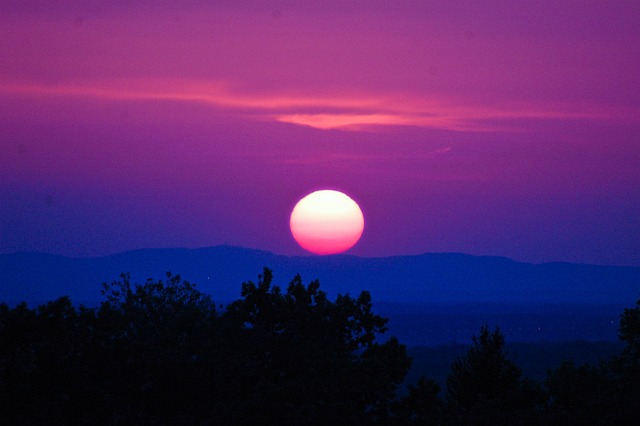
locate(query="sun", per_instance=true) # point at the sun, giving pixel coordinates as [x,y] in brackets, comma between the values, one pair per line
[326,222]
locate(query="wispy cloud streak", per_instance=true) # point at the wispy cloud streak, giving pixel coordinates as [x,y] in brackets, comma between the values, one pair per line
[350,112]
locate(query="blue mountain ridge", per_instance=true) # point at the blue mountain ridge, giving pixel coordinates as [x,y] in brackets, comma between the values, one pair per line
[434,278]
[433,298]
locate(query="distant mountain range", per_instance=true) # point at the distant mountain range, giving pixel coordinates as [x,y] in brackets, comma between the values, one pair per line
[430,299]
[434,278]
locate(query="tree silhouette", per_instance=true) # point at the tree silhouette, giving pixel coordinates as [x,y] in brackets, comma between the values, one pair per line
[42,370]
[581,395]
[161,353]
[420,406]
[602,395]
[307,359]
[153,344]
[485,386]
[626,368]
[629,332]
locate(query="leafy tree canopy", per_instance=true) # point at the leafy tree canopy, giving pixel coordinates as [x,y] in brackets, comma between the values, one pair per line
[486,387]
[162,353]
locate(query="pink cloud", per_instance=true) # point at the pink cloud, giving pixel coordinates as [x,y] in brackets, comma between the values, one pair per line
[334,68]
[349,112]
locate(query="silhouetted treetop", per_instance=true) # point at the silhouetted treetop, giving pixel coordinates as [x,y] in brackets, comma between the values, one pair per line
[154,298]
[161,353]
[485,386]
[320,356]
[629,332]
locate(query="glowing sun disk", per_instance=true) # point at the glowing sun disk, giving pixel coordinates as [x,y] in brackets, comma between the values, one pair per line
[326,222]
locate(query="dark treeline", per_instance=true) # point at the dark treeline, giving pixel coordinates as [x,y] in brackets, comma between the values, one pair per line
[163,353]
[535,359]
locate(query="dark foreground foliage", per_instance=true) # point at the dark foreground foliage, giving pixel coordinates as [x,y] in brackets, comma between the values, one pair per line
[163,353]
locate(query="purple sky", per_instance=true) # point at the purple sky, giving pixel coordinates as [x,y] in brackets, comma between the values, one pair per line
[484,127]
